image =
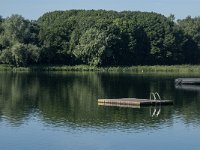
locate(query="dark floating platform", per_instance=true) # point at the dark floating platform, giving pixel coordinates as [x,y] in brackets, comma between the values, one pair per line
[133,102]
[191,81]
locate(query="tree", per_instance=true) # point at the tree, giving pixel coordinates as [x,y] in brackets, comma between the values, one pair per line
[18,41]
[99,38]
[91,47]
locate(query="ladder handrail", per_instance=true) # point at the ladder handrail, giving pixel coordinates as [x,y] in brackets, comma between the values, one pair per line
[158,96]
[155,96]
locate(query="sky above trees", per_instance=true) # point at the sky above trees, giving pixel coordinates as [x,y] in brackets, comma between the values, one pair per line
[32,9]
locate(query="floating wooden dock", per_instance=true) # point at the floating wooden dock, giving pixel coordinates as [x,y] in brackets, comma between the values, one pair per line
[133,102]
[180,81]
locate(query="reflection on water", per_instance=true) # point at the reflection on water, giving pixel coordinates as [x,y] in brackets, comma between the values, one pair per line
[72,97]
[69,100]
[188,87]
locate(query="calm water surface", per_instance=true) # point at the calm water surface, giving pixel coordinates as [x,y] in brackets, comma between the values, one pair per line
[59,111]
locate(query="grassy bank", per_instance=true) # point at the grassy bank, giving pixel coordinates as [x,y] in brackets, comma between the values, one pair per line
[137,69]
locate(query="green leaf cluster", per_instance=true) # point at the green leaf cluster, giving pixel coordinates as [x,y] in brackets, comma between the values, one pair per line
[99,38]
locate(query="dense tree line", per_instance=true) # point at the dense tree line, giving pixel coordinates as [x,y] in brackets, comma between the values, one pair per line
[99,38]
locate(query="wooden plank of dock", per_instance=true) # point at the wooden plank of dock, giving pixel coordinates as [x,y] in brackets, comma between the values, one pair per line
[180,81]
[134,102]
[118,105]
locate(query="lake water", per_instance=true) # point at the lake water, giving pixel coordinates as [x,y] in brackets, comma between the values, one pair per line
[59,111]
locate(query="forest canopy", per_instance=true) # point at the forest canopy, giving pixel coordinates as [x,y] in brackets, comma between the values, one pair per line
[99,38]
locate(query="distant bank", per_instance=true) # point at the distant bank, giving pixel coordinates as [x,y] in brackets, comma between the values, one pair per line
[185,69]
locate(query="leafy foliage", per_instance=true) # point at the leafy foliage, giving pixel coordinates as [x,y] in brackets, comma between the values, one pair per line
[18,41]
[99,38]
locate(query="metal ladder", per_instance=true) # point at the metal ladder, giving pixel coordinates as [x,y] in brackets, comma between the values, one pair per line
[156,109]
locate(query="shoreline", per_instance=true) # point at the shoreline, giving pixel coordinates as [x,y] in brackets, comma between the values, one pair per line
[134,69]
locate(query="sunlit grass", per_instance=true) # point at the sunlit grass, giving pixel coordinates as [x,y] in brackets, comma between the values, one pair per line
[136,69]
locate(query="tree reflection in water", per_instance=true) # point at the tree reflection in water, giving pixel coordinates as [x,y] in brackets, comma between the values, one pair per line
[71,98]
